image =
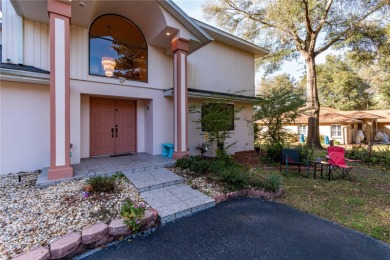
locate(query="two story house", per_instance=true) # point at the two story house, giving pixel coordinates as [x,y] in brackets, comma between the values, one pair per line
[95,78]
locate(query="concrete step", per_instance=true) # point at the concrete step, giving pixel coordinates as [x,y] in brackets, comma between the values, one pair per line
[177,201]
[153,179]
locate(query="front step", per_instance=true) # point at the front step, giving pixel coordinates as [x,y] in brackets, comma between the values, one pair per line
[177,201]
[153,179]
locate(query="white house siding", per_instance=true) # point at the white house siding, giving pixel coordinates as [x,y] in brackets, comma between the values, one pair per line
[36,44]
[12,34]
[25,127]
[221,68]
[242,134]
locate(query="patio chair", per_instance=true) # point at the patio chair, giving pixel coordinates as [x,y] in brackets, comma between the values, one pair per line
[337,161]
[291,157]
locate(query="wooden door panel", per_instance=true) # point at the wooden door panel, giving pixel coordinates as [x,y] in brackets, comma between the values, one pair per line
[125,121]
[102,121]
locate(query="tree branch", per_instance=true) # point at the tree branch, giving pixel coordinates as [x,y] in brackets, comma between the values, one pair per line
[307,18]
[322,21]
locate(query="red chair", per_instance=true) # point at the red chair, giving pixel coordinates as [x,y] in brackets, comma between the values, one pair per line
[337,162]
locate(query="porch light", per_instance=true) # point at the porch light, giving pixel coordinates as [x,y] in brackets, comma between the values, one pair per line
[108,66]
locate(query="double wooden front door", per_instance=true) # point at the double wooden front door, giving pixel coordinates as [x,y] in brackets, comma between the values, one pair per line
[113,127]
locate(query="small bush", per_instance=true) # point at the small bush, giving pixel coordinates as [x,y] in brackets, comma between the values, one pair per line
[272,183]
[184,163]
[132,214]
[199,166]
[233,178]
[305,152]
[102,183]
[273,153]
[255,180]
[118,175]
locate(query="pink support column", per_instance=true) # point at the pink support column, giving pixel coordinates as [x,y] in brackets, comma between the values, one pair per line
[59,14]
[180,49]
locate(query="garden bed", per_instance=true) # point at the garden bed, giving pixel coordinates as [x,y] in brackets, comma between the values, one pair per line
[31,217]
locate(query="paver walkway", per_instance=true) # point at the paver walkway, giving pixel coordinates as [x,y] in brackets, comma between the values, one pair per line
[166,192]
[249,229]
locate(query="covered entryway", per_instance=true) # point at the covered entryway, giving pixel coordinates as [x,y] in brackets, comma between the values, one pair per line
[113,126]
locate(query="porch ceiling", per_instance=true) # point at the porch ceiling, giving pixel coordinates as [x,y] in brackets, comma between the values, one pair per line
[161,19]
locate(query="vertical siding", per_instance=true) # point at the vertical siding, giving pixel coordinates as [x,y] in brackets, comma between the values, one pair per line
[160,64]
[221,68]
[12,27]
[36,44]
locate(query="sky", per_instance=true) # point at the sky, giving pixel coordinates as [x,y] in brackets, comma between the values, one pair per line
[295,68]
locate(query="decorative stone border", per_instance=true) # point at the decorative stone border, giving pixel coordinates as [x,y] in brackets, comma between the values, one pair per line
[246,193]
[94,236]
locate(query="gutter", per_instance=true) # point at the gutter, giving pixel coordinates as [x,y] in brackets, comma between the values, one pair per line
[24,76]
[205,94]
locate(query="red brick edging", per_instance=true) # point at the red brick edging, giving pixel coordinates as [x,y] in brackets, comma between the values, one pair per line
[94,236]
[247,193]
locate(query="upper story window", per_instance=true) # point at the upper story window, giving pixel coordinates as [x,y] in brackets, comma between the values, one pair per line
[117,48]
[302,130]
[336,130]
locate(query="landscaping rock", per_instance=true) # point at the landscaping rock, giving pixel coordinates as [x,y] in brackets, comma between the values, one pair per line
[251,193]
[118,228]
[155,213]
[220,198]
[243,193]
[94,233]
[65,245]
[104,241]
[40,253]
[80,250]
[148,217]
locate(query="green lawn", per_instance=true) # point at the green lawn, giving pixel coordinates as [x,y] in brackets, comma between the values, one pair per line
[363,204]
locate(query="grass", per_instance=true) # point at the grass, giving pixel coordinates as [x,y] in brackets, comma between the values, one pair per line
[363,204]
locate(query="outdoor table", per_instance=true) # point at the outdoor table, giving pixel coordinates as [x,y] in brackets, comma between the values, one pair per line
[322,165]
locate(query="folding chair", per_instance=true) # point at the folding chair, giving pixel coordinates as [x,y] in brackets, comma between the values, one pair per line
[337,162]
[292,157]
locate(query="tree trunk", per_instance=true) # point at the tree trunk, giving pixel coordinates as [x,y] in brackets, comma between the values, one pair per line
[312,104]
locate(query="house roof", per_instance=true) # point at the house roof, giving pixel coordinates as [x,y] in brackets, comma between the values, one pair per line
[232,40]
[329,116]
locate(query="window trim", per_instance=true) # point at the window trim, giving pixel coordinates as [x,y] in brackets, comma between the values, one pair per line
[331,130]
[89,48]
[305,131]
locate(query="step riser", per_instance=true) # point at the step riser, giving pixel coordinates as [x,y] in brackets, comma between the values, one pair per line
[184,213]
[159,186]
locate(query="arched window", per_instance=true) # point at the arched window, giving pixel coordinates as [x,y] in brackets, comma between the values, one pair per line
[117,48]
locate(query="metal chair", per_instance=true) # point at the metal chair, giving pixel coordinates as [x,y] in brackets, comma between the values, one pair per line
[291,157]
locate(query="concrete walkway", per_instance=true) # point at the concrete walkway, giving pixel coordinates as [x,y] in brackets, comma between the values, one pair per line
[249,229]
[166,192]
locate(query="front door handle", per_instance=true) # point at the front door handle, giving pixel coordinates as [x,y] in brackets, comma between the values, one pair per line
[116,132]
[112,132]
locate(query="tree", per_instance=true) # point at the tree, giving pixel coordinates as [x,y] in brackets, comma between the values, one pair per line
[278,107]
[340,87]
[217,119]
[292,28]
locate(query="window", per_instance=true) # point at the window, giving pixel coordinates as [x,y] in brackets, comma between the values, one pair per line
[302,130]
[336,130]
[217,116]
[117,48]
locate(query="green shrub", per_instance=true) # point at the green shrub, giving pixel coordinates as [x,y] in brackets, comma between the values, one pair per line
[306,153]
[118,175]
[272,183]
[102,183]
[199,166]
[184,163]
[132,214]
[255,180]
[273,153]
[234,178]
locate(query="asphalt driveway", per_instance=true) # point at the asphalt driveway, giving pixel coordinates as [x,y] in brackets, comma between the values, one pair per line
[249,229]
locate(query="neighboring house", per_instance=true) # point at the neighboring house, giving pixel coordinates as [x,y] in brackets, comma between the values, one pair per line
[112,77]
[342,126]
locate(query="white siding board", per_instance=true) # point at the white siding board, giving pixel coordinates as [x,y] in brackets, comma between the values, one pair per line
[221,68]
[36,44]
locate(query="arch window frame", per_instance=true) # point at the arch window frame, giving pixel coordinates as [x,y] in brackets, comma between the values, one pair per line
[105,38]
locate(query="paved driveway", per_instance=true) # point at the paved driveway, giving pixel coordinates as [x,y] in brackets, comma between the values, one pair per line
[249,229]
